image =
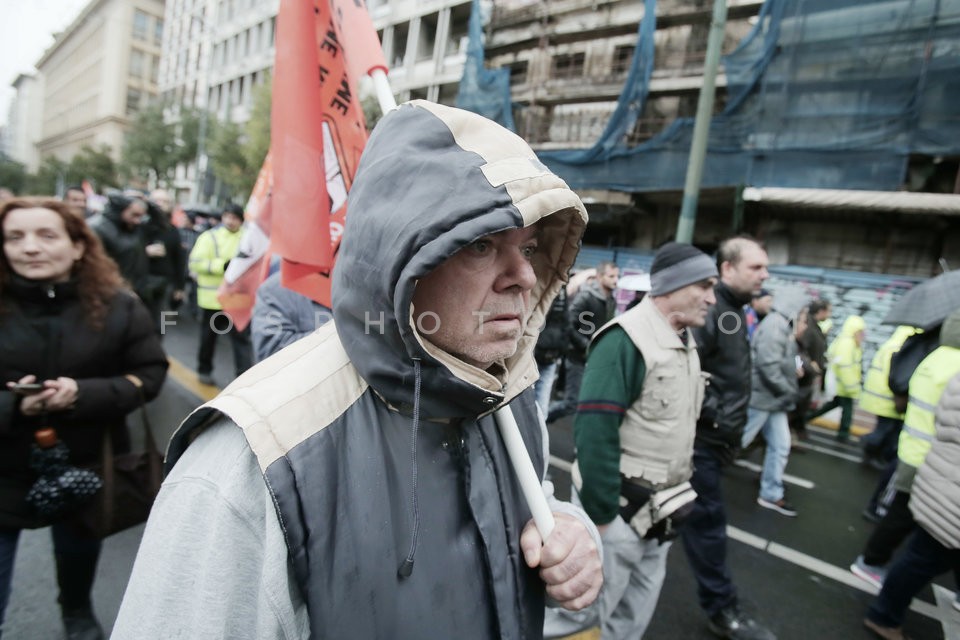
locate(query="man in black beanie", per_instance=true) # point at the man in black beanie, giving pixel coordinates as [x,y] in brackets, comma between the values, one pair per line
[634,431]
[725,354]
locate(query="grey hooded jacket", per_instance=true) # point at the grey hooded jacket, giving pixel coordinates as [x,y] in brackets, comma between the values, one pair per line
[774,382]
[376,448]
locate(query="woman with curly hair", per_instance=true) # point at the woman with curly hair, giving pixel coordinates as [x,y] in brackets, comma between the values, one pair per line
[77,353]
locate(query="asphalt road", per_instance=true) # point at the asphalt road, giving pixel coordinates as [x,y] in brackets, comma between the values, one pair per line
[792,573]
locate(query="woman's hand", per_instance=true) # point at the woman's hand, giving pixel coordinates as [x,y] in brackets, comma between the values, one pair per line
[65,395]
[35,403]
[57,395]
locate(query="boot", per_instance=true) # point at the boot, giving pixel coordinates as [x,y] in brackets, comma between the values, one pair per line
[81,625]
[75,573]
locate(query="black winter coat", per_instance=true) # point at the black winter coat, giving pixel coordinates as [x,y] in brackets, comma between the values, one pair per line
[127,247]
[553,341]
[44,331]
[589,310]
[171,268]
[815,344]
[725,354]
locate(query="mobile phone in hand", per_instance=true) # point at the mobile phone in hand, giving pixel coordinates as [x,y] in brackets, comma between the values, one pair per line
[26,388]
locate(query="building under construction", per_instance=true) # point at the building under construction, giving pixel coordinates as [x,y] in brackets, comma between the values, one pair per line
[813,95]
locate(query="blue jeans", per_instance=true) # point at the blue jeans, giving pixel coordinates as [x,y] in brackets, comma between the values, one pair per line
[704,533]
[544,386]
[8,552]
[924,559]
[776,431]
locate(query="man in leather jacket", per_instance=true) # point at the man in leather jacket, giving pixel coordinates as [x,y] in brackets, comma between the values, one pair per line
[725,354]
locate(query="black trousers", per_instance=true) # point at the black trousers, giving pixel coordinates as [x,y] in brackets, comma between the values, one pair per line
[897,524]
[214,323]
[704,533]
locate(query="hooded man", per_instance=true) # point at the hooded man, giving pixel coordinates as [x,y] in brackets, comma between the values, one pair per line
[355,485]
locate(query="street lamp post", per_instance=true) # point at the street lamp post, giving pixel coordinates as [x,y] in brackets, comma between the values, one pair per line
[200,163]
[701,127]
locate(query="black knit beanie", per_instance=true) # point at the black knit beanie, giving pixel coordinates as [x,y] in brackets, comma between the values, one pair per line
[677,265]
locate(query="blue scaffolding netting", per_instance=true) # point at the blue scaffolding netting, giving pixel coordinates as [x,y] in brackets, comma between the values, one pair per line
[821,94]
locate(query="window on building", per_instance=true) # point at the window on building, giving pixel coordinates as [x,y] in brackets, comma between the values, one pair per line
[158,32]
[428,37]
[622,59]
[518,72]
[457,33]
[137,59]
[400,33]
[271,31]
[134,98]
[141,22]
[154,69]
[567,65]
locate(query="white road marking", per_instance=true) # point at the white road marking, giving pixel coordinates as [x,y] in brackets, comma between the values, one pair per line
[943,614]
[753,466]
[830,452]
[950,617]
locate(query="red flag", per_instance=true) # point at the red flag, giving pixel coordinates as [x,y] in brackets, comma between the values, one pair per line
[300,203]
[344,133]
[302,104]
[366,54]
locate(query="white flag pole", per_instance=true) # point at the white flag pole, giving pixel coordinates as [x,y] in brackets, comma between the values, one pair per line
[523,467]
[382,86]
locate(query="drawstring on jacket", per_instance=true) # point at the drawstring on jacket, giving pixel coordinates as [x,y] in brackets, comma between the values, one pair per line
[406,567]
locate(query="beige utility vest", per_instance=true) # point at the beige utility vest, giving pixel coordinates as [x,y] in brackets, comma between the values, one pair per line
[657,432]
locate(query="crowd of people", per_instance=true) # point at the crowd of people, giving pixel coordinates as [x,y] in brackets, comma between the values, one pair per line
[362,479]
[777,365]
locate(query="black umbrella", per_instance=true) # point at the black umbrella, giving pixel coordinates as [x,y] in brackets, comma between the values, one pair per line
[60,487]
[929,303]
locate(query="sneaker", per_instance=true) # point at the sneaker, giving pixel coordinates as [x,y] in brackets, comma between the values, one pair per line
[780,506]
[870,573]
[887,633]
[206,378]
[731,623]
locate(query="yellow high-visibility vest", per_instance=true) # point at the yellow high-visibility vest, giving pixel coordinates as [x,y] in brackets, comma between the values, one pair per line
[208,259]
[846,358]
[926,387]
[877,397]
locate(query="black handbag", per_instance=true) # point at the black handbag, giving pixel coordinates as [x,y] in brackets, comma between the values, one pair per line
[131,482]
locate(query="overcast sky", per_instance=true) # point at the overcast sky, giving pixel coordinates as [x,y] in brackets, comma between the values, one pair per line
[26,30]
